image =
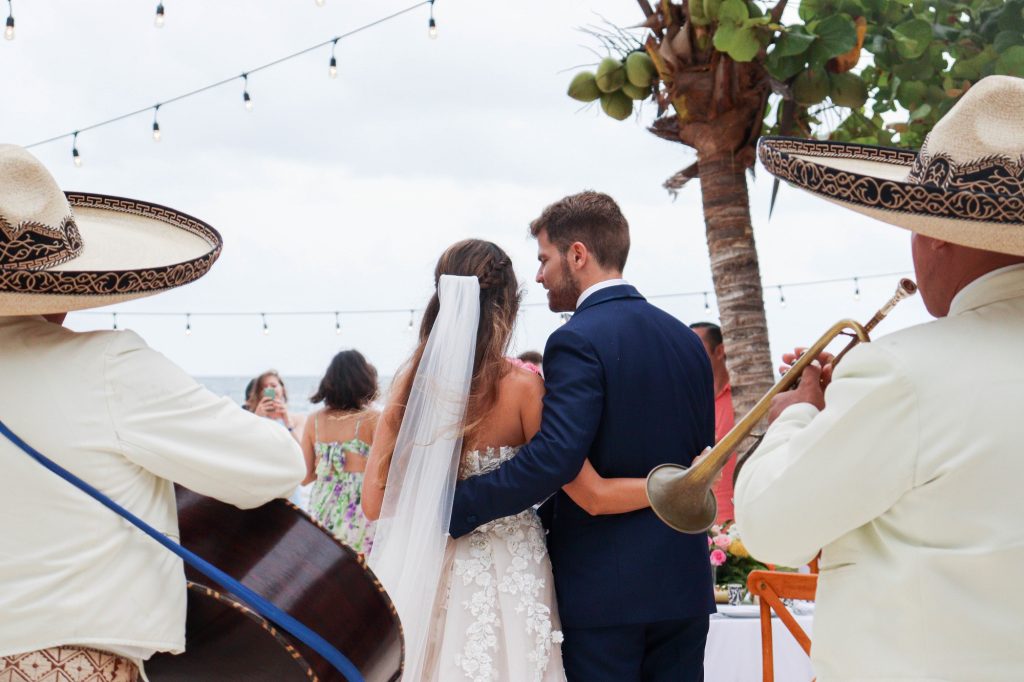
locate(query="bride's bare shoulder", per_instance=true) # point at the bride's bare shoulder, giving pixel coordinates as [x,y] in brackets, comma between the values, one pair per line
[522,384]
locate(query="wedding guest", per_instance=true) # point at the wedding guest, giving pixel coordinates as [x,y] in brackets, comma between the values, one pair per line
[336,443]
[268,398]
[533,357]
[247,393]
[711,335]
[905,471]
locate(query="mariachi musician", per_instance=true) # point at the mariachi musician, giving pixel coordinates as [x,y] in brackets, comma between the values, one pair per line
[908,469]
[81,591]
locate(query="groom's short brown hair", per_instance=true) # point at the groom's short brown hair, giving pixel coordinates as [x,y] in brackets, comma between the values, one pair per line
[591,218]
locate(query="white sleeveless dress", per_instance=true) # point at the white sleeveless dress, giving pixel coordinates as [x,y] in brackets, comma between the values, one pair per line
[496,620]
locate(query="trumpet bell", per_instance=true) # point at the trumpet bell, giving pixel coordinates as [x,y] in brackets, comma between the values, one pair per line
[684,505]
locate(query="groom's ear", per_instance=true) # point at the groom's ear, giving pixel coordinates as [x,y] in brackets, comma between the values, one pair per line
[577,255]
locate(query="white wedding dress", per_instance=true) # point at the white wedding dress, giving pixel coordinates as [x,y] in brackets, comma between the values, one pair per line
[496,619]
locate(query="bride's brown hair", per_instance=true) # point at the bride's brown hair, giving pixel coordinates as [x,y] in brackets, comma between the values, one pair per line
[499,305]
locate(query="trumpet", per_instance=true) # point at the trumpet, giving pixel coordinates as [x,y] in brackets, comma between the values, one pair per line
[682,496]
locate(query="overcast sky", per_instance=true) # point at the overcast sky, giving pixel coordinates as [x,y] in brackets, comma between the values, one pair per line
[341,194]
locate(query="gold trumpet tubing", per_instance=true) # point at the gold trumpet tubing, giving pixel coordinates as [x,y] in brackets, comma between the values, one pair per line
[704,472]
[905,289]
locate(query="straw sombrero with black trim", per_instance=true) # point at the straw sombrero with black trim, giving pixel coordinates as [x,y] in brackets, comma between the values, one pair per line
[67,251]
[965,185]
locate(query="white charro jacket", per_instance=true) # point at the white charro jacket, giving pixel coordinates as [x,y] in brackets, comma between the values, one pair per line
[128,421]
[912,481]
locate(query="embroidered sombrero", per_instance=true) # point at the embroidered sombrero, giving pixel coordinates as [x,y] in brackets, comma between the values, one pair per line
[67,251]
[965,185]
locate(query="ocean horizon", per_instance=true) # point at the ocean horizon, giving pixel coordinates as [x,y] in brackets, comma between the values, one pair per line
[299,388]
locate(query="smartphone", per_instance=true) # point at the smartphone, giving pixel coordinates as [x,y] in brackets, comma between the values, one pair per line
[269,393]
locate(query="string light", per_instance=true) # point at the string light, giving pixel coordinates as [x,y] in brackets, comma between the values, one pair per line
[159,21]
[432,26]
[156,124]
[245,92]
[231,79]
[75,156]
[9,31]
[188,324]
[412,311]
[707,306]
[332,70]
[856,289]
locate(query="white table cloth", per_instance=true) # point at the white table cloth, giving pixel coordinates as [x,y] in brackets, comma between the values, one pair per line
[733,650]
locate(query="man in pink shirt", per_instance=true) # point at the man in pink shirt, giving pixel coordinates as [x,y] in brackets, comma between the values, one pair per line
[711,335]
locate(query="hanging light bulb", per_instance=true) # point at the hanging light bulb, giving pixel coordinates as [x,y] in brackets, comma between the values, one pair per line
[432,26]
[115,321]
[782,298]
[266,329]
[332,69]
[707,306]
[156,124]
[9,31]
[245,92]
[75,156]
[159,21]
[188,324]
[337,325]
[856,289]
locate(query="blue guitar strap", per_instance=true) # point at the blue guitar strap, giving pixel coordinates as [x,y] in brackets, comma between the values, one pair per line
[250,598]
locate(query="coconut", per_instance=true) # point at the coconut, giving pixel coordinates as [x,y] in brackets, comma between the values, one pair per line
[634,92]
[618,105]
[810,87]
[610,75]
[848,90]
[584,87]
[640,70]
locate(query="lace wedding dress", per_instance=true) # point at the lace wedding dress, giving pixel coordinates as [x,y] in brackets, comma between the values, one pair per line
[496,620]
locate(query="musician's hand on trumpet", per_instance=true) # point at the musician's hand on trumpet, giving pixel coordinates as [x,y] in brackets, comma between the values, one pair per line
[811,388]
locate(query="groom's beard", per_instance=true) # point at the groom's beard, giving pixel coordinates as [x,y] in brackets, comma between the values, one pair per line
[563,294]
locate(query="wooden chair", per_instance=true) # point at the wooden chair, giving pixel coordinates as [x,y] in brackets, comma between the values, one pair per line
[772,587]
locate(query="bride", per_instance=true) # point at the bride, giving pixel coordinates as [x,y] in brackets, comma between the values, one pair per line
[481,607]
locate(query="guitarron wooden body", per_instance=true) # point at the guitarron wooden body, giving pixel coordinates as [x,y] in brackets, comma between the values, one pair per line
[295,563]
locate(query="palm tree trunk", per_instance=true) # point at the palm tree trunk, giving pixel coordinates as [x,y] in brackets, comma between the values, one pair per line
[736,275]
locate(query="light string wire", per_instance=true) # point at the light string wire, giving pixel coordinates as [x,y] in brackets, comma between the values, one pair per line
[337,312]
[232,79]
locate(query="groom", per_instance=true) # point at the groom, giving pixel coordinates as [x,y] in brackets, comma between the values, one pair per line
[630,387]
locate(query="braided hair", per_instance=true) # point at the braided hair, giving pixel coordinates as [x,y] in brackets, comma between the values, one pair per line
[499,305]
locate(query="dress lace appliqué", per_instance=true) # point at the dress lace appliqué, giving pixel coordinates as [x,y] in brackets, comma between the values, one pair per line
[516,580]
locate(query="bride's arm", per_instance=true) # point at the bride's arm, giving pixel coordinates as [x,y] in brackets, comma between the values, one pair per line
[374,479]
[594,494]
[597,495]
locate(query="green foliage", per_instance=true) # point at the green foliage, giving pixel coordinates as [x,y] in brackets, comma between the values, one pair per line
[923,56]
[736,569]
[917,58]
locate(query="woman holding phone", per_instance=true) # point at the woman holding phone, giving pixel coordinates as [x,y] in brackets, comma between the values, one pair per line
[269,398]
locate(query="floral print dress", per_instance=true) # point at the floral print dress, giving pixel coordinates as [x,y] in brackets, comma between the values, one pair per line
[337,495]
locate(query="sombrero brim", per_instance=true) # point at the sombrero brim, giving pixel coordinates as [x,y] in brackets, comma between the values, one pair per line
[873,181]
[130,249]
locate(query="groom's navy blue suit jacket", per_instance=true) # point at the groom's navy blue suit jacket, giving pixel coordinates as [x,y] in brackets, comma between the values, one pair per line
[630,387]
